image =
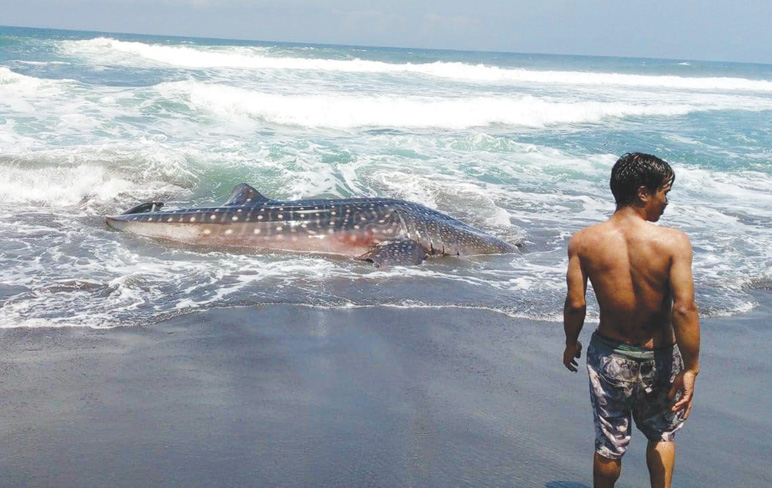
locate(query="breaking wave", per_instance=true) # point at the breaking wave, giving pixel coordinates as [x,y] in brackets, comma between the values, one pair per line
[351,111]
[106,50]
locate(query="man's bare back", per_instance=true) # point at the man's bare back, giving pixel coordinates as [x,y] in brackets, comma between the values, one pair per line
[628,262]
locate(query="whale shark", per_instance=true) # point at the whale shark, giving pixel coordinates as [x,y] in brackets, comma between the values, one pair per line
[383,231]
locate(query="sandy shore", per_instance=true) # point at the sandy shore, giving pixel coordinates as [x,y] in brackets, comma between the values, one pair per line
[295,396]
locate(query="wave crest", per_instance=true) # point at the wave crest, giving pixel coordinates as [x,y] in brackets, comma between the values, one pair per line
[345,112]
[254,57]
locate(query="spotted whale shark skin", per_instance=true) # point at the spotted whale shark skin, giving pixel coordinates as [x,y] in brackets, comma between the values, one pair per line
[382,230]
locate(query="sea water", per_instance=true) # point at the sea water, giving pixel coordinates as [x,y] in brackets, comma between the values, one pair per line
[518,145]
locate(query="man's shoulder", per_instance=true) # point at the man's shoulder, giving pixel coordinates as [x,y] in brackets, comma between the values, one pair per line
[590,233]
[672,236]
[586,239]
[668,241]
[679,242]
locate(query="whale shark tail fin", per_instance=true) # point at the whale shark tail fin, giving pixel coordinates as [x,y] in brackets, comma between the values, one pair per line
[244,194]
[404,252]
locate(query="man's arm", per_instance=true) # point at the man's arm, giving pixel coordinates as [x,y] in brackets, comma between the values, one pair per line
[686,322]
[575,306]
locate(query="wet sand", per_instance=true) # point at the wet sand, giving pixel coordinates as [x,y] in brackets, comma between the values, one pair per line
[293,396]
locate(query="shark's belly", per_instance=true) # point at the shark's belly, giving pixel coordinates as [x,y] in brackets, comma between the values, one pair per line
[291,236]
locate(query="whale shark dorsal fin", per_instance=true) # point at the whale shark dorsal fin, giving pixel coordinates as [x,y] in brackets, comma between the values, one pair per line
[244,194]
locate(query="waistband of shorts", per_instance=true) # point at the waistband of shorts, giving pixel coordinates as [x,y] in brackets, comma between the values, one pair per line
[611,346]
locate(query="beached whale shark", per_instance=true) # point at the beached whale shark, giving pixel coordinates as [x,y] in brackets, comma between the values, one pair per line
[381,230]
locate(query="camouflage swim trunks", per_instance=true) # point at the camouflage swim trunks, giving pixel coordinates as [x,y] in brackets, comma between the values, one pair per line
[629,381]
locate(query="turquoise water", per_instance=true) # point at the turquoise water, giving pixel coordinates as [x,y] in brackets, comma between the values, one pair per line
[518,145]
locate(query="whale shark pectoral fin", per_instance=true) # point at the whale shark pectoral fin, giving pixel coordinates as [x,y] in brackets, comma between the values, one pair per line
[144,208]
[404,252]
[244,194]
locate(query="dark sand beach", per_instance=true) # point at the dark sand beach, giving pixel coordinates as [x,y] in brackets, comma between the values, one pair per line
[295,396]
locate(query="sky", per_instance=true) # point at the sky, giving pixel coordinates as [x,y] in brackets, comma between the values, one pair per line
[716,30]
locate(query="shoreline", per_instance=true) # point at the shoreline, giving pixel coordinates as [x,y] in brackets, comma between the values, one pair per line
[296,396]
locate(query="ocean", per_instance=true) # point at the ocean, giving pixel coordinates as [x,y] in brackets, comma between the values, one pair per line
[518,145]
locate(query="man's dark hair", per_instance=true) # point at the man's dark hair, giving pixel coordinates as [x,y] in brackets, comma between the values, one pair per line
[634,170]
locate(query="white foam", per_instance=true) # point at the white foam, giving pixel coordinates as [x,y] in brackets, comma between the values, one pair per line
[92,178]
[353,111]
[18,93]
[133,53]
[749,191]
[8,77]
[43,63]
[57,186]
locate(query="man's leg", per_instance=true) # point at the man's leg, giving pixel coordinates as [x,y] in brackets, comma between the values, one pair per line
[611,388]
[605,471]
[660,458]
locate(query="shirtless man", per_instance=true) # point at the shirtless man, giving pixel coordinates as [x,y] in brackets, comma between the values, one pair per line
[643,357]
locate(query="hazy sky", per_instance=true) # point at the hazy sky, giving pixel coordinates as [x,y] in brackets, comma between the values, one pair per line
[680,29]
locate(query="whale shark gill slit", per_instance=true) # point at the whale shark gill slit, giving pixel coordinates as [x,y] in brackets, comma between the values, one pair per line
[384,231]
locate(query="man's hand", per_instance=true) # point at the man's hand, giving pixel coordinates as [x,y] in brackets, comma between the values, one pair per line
[571,354]
[684,383]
